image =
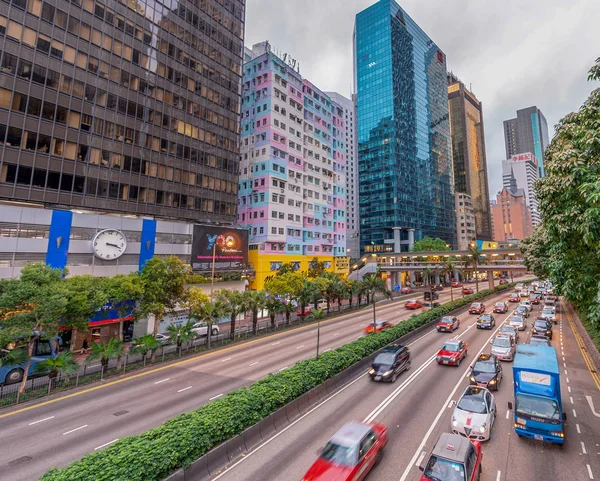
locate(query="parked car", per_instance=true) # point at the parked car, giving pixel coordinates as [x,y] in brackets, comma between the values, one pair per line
[406,290]
[163,339]
[477,308]
[448,324]
[305,312]
[474,414]
[452,352]
[201,329]
[514,297]
[504,348]
[486,372]
[413,304]
[453,458]
[390,363]
[379,326]
[500,307]
[486,321]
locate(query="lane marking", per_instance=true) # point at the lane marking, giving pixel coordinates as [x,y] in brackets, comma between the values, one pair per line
[41,420]
[507,414]
[583,448]
[569,388]
[571,399]
[76,429]
[185,389]
[566,373]
[498,475]
[420,460]
[215,397]
[253,364]
[104,445]
[578,430]
[574,413]
[327,350]
[450,404]
[283,368]
[564,364]
[164,380]
[300,346]
[590,472]
[226,359]
[591,403]
[567,380]
[275,343]
[336,334]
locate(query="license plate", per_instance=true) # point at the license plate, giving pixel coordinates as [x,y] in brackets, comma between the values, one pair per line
[378,378]
[445,362]
[537,437]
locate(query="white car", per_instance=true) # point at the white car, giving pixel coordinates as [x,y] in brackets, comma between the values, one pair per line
[549,313]
[519,287]
[201,329]
[527,305]
[474,414]
[524,292]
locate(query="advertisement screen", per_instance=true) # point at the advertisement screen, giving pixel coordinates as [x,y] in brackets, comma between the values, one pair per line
[228,245]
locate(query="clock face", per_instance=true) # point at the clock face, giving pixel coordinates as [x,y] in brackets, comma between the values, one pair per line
[109,244]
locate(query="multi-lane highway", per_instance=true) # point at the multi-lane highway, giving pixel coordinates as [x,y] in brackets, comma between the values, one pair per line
[418,408]
[64,429]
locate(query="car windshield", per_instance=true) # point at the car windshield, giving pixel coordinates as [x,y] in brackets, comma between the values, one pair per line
[473,404]
[539,407]
[385,358]
[548,311]
[484,366]
[337,454]
[450,346]
[485,318]
[477,306]
[509,329]
[516,319]
[440,469]
[537,342]
[501,342]
[446,320]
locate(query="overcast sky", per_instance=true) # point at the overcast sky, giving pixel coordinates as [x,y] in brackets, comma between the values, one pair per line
[513,53]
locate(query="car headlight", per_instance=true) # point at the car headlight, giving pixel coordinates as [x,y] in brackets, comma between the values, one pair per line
[472,379]
[558,433]
[493,381]
[483,428]
[454,422]
[548,332]
[371,371]
[387,373]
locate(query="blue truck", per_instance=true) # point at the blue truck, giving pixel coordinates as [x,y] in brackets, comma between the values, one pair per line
[537,409]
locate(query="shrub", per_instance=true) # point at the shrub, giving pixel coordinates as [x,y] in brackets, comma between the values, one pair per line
[155,454]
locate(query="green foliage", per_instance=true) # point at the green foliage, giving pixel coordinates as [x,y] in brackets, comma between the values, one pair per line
[122,288]
[105,351]
[197,279]
[181,333]
[316,268]
[234,303]
[287,283]
[155,454]
[145,344]
[566,245]
[63,364]
[255,301]
[427,244]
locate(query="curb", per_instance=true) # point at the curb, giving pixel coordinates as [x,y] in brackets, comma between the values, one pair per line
[587,345]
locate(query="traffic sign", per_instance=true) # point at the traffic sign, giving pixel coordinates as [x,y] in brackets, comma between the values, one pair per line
[397,287]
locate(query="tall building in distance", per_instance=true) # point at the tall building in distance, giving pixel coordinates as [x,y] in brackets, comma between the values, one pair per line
[512,217]
[404,148]
[351,151]
[468,153]
[122,108]
[465,221]
[528,132]
[520,172]
[292,193]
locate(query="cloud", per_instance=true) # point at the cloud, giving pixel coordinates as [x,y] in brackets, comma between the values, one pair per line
[514,54]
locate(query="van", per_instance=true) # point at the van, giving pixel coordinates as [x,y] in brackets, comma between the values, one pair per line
[322,304]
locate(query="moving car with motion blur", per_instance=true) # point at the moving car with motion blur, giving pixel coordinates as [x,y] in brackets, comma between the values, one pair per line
[379,326]
[466,291]
[504,348]
[390,363]
[456,284]
[406,290]
[518,322]
[350,454]
[477,308]
[448,324]
[486,321]
[542,328]
[453,458]
[514,297]
[452,352]
[486,372]
[474,414]
[413,304]
[500,307]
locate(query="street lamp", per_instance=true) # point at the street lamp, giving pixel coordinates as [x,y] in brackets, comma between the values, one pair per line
[212,276]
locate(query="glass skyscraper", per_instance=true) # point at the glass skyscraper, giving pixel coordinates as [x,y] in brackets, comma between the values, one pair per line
[404,148]
[528,132]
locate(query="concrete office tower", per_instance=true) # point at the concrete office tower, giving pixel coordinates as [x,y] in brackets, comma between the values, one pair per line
[520,172]
[466,221]
[293,186]
[512,217]
[351,150]
[468,152]
[404,147]
[527,133]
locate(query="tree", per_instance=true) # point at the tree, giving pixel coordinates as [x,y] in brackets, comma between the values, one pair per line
[429,244]
[105,351]
[352,287]
[181,333]
[38,303]
[371,285]
[473,260]
[235,304]
[123,292]
[287,268]
[316,268]
[63,364]
[318,315]
[145,344]
[210,313]
[273,306]
[163,281]
[285,284]
[449,266]
[321,284]
[255,301]
[566,245]
[427,272]
[306,293]
[287,308]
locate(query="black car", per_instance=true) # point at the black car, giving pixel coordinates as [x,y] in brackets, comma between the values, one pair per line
[486,372]
[486,321]
[542,328]
[430,295]
[390,363]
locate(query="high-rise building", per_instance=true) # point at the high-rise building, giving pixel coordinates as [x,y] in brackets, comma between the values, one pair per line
[351,151]
[292,186]
[512,217]
[466,221]
[404,148]
[119,109]
[528,132]
[468,152]
[520,172]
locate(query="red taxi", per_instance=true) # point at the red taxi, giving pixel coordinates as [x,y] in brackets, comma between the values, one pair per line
[477,308]
[413,304]
[500,307]
[379,326]
[467,290]
[456,284]
[448,324]
[350,454]
[452,352]
[406,290]
[514,297]
[453,458]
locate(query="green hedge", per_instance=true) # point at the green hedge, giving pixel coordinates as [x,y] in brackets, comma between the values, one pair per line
[155,454]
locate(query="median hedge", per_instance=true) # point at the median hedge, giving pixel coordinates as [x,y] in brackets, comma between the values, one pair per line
[155,454]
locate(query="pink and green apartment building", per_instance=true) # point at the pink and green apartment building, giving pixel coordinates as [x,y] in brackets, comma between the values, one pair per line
[292,192]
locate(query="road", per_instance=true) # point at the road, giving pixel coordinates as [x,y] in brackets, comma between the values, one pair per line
[59,431]
[418,408]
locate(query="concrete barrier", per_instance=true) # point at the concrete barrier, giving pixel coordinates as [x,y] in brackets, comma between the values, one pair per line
[252,437]
[177,476]
[216,459]
[236,447]
[267,428]
[292,411]
[198,470]
[280,419]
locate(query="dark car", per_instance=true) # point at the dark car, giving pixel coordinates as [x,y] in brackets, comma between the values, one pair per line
[438,287]
[430,295]
[448,324]
[486,372]
[390,363]
[542,328]
[453,458]
[486,321]
[522,311]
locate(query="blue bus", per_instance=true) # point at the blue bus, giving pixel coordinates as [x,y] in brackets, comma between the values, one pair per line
[43,349]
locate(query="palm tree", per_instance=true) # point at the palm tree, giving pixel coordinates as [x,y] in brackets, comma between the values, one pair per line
[105,351]
[336,291]
[210,313]
[145,344]
[371,285]
[473,260]
[235,304]
[448,268]
[318,315]
[63,364]
[352,287]
[273,306]
[181,333]
[255,300]
[287,308]
[426,273]
[306,294]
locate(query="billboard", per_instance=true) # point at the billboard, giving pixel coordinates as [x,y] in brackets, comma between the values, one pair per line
[228,245]
[524,158]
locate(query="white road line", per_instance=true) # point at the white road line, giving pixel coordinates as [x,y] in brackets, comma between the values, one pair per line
[76,429]
[590,472]
[564,364]
[566,373]
[578,430]
[567,380]
[163,380]
[41,420]
[574,413]
[507,414]
[215,397]
[571,399]
[498,476]
[420,460]
[591,403]
[283,368]
[569,388]
[104,445]
[450,404]
[563,356]
[275,343]
[336,334]
[327,350]
[583,448]
[300,346]
[253,364]
[226,359]
[185,389]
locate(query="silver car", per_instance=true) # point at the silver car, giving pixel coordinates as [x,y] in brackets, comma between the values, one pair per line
[504,348]
[522,311]
[518,322]
[508,330]
[549,313]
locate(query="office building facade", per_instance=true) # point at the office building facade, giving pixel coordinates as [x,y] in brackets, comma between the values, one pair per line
[512,216]
[528,132]
[466,221]
[404,148]
[351,151]
[468,152]
[520,173]
[292,194]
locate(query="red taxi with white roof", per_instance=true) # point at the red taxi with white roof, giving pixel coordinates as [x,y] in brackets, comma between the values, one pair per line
[452,352]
